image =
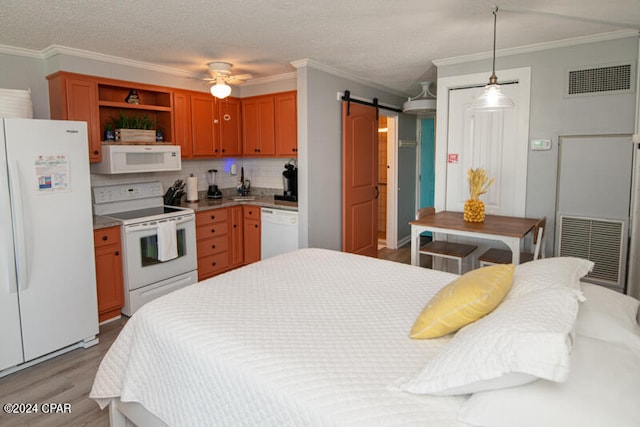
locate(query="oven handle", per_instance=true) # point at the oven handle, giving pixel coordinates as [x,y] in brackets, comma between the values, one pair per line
[134,228]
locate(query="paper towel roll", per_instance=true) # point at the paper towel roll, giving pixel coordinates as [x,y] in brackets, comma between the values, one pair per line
[192,189]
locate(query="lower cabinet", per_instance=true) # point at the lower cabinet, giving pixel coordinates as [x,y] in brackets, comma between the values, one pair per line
[227,238]
[109,280]
[212,236]
[252,232]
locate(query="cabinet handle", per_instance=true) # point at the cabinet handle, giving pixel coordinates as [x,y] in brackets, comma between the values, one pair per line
[213,230]
[213,217]
[256,225]
[96,152]
[235,225]
[117,253]
[105,238]
[222,150]
[213,263]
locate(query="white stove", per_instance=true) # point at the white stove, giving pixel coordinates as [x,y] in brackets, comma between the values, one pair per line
[158,241]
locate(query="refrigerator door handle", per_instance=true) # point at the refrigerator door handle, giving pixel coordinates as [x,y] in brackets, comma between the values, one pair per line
[18,227]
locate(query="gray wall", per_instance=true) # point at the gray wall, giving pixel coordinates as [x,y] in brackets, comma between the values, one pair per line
[320,152]
[553,115]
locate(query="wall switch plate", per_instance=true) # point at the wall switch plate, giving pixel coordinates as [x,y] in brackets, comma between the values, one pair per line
[540,144]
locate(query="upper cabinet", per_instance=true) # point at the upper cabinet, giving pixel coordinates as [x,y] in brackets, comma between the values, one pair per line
[286,119]
[270,125]
[203,126]
[72,97]
[98,101]
[258,124]
[215,126]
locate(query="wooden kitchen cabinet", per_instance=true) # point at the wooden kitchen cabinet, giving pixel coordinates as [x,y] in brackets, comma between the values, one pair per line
[75,97]
[98,100]
[286,124]
[212,236]
[236,234]
[270,125]
[109,279]
[182,123]
[230,125]
[215,126]
[252,230]
[258,126]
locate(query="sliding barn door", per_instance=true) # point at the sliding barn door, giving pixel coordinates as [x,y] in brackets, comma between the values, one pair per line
[359,179]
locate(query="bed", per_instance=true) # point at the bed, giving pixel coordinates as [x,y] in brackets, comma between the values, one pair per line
[321,338]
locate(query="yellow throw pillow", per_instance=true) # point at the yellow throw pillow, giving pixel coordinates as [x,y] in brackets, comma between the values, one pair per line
[463,301]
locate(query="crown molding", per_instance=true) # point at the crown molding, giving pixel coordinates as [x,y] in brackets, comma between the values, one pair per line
[310,63]
[270,79]
[54,49]
[613,35]
[19,51]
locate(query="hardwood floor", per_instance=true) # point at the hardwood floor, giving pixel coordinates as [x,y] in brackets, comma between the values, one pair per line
[63,379]
[68,378]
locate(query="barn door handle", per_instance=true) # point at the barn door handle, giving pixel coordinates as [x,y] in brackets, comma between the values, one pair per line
[377,191]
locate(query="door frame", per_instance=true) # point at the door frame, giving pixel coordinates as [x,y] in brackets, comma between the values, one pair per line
[392,178]
[446,84]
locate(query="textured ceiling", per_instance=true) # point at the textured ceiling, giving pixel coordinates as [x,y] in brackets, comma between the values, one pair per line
[388,43]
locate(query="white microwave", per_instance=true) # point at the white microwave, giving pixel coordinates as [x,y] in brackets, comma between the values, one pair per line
[138,158]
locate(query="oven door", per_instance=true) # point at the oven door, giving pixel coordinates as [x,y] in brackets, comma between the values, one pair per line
[141,263]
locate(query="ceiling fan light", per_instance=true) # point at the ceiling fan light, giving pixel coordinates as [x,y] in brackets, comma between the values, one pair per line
[220,90]
[492,100]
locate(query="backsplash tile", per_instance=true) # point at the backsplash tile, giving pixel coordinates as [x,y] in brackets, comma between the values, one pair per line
[263,174]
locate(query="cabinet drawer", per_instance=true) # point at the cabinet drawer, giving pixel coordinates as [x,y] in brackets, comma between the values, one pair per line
[251,212]
[211,230]
[106,236]
[211,216]
[212,264]
[212,246]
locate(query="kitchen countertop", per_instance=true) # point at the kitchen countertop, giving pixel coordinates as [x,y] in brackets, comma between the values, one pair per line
[266,201]
[104,222]
[203,204]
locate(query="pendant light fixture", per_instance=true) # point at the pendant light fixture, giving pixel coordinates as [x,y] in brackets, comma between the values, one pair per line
[492,99]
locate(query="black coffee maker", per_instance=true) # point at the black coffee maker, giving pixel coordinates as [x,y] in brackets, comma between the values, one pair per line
[290,183]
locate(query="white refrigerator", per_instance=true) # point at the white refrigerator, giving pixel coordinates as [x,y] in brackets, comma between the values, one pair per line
[48,301]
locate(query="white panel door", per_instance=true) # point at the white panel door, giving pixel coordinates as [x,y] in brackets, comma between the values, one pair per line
[486,140]
[11,347]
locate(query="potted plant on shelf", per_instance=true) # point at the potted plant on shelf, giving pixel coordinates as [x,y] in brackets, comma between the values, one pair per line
[133,129]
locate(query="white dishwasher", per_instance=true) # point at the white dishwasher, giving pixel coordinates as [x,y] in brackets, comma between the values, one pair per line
[279,232]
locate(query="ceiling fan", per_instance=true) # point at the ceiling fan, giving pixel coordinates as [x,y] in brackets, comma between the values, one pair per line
[221,74]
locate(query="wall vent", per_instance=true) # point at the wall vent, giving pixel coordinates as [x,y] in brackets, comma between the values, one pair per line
[600,80]
[598,240]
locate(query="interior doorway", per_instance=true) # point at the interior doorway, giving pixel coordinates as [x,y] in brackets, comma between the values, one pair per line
[387,166]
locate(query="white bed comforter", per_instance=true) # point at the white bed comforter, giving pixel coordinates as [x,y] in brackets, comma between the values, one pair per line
[309,338]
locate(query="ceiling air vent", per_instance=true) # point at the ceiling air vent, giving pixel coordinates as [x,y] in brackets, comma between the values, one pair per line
[600,80]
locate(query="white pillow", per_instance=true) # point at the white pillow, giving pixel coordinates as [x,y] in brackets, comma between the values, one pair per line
[609,316]
[601,391]
[524,338]
[550,273]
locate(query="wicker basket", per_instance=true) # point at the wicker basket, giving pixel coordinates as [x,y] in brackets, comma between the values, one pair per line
[133,136]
